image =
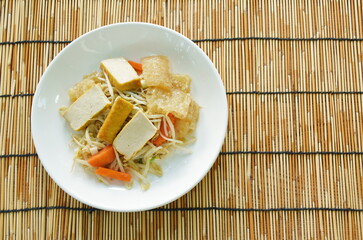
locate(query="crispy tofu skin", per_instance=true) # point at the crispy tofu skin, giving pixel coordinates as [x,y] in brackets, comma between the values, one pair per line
[121,74]
[134,135]
[183,127]
[80,88]
[181,82]
[87,106]
[114,120]
[163,101]
[156,72]
[83,86]
[175,100]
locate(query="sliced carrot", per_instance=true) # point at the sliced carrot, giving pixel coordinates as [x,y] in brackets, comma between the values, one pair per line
[113,174]
[103,157]
[159,139]
[136,66]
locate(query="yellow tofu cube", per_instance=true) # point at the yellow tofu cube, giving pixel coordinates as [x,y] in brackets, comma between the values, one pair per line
[87,106]
[134,135]
[121,74]
[114,120]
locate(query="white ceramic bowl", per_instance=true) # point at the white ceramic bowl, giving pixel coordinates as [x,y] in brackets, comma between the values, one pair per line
[52,135]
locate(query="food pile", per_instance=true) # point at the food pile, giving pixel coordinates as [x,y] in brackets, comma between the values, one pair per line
[129,116]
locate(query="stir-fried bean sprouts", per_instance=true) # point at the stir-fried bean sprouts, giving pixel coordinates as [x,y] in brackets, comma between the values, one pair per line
[142,163]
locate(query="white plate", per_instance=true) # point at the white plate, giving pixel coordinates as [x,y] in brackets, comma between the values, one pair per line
[52,134]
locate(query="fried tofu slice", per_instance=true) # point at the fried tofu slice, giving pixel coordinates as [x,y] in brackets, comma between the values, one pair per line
[120,110]
[134,135]
[121,74]
[156,72]
[87,106]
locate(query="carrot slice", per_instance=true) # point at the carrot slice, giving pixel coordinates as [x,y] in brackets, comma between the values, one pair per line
[159,139]
[103,157]
[113,174]
[136,66]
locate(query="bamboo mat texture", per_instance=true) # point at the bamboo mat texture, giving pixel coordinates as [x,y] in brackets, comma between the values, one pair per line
[292,163]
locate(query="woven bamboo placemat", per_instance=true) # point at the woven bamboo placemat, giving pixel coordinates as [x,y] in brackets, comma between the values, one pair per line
[291,165]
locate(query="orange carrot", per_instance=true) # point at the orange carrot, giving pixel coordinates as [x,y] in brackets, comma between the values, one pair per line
[136,66]
[159,139]
[113,174]
[103,157]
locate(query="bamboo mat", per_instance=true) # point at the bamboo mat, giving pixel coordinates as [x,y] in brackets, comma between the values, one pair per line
[292,163]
